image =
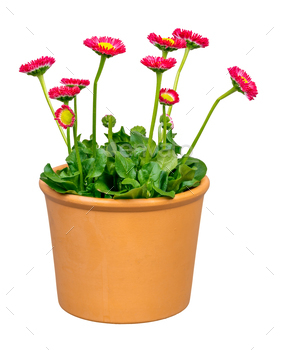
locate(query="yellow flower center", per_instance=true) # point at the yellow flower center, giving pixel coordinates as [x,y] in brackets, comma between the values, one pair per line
[106,46]
[244,80]
[167,97]
[171,41]
[66,117]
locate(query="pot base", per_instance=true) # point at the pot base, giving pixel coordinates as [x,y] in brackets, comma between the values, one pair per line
[129,322]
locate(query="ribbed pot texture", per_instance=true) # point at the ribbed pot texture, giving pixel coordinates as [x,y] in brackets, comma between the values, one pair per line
[125,260]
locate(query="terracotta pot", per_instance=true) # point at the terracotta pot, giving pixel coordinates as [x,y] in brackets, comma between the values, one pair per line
[126,260]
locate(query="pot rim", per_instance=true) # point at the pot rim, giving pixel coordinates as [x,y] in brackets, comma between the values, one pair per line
[128,205]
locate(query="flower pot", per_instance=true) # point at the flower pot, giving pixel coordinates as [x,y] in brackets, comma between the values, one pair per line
[127,260]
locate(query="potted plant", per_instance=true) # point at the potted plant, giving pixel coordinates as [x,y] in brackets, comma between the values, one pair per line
[124,216]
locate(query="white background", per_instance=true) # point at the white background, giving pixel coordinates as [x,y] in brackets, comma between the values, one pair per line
[236,299]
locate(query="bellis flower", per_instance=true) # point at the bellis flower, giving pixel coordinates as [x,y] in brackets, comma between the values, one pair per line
[171,122]
[168,97]
[194,40]
[105,45]
[64,93]
[166,44]
[158,64]
[81,83]
[65,116]
[242,82]
[37,67]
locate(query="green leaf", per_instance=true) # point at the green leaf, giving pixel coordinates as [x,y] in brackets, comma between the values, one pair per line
[50,174]
[137,140]
[110,166]
[200,165]
[170,194]
[132,182]
[125,148]
[101,186]
[140,192]
[111,148]
[87,143]
[52,184]
[169,138]
[72,159]
[120,136]
[149,173]
[75,178]
[137,154]
[163,180]
[186,174]
[86,165]
[124,166]
[139,129]
[167,160]
[186,185]
[64,171]
[97,167]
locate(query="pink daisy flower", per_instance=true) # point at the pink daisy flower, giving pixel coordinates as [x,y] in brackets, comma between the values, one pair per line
[64,93]
[194,40]
[168,97]
[242,82]
[171,121]
[81,83]
[105,45]
[166,44]
[37,67]
[65,116]
[158,64]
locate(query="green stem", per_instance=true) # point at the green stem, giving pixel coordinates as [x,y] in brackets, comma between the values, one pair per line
[187,50]
[42,83]
[164,127]
[68,135]
[153,119]
[69,141]
[160,133]
[164,53]
[76,112]
[78,157]
[110,130]
[229,92]
[101,65]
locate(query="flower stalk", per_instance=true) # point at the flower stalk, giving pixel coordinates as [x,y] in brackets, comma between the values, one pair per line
[229,92]
[100,68]
[68,135]
[153,119]
[164,53]
[78,156]
[42,83]
[164,127]
[187,50]
[110,134]
[76,112]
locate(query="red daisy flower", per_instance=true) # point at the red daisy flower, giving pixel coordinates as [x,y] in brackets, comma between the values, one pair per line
[168,97]
[81,83]
[158,64]
[166,44]
[65,116]
[105,45]
[194,40]
[37,67]
[64,93]
[242,82]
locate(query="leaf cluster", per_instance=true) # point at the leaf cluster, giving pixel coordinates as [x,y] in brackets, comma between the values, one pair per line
[120,170]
